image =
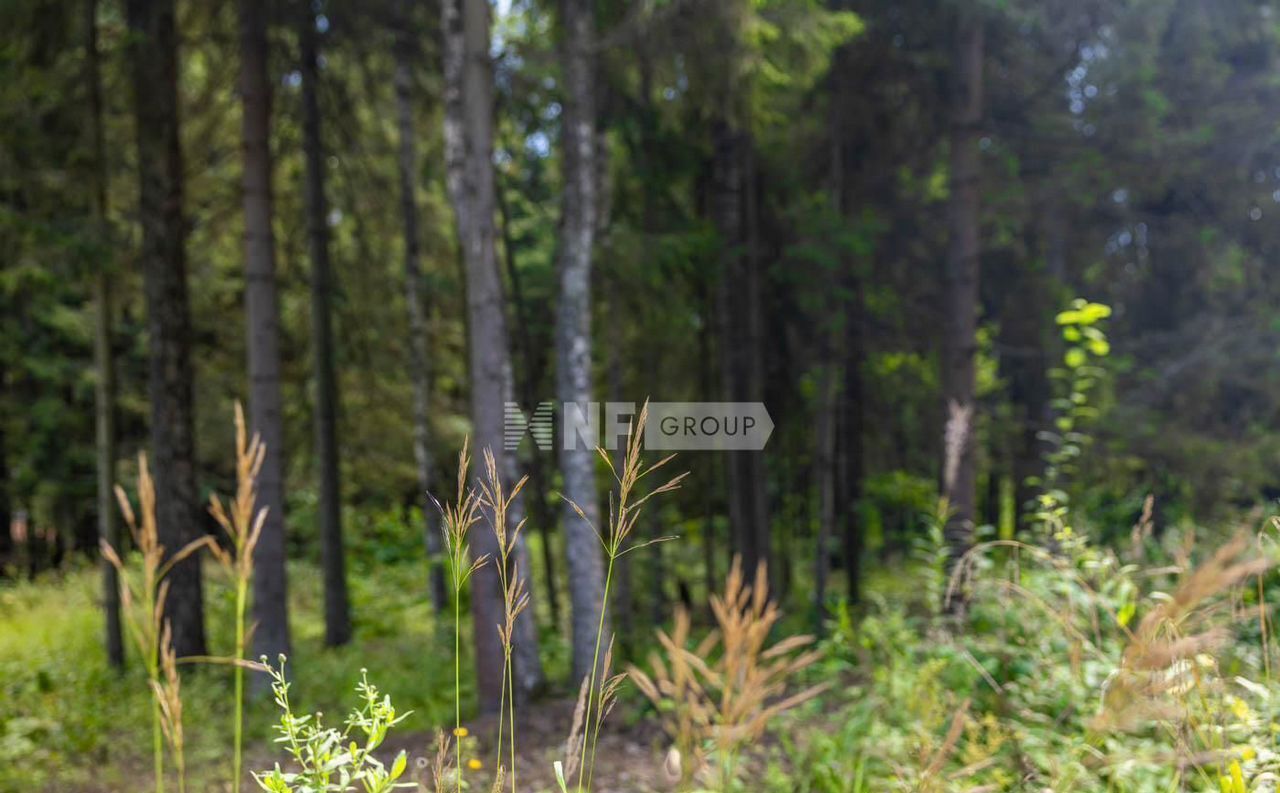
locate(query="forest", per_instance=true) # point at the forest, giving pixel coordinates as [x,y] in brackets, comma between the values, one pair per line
[761,396]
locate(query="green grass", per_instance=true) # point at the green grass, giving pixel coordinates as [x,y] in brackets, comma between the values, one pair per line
[67,720]
[1029,691]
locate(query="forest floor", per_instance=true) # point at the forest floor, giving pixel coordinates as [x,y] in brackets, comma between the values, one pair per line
[629,758]
[69,723]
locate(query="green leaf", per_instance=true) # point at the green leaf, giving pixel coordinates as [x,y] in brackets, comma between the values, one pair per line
[1126,613]
[1092,312]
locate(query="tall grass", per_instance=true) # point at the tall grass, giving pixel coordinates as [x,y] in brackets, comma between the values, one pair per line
[719,696]
[142,602]
[497,503]
[624,512]
[243,526]
[242,523]
[495,500]
[458,518]
[1085,671]
[167,691]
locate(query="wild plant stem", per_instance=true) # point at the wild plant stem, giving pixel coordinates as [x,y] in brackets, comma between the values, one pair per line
[507,696]
[237,762]
[153,673]
[502,703]
[511,716]
[457,684]
[1262,626]
[591,686]
[507,682]
[730,759]
[157,745]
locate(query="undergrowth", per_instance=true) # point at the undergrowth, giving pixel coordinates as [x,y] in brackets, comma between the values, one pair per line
[1078,671]
[68,721]
[1077,667]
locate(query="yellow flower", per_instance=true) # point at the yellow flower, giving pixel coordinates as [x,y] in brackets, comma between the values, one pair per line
[1240,708]
[1248,753]
[461,732]
[474,764]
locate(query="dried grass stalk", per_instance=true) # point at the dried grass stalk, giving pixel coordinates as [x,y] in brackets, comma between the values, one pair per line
[723,692]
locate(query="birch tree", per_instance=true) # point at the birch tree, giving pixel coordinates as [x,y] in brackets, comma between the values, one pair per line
[573,327]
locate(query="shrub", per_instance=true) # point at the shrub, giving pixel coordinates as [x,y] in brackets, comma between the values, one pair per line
[719,696]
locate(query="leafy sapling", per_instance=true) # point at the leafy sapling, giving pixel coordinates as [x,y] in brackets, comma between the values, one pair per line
[330,760]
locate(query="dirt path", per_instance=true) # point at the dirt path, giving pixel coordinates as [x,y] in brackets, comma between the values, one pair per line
[628,756]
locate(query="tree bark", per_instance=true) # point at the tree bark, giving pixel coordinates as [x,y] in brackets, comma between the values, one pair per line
[623,608]
[573,332]
[756,492]
[540,515]
[7,556]
[713,482]
[851,429]
[962,271]
[262,311]
[468,134]
[419,360]
[991,505]
[337,609]
[850,419]
[740,333]
[453,57]
[824,473]
[104,362]
[1024,364]
[154,55]
[529,678]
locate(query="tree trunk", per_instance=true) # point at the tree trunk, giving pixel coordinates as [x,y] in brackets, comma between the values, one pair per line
[991,499]
[103,360]
[824,473]
[529,678]
[711,486]
[757,491]
[270,584]
[419,371]
[623,607]
[540,515]
[337,610]
[1024,364]
[959,478]
[154,55]
[741,318]
[851,428]
[573,332]
[850,420]
[7,556]
[468,134]
[453,58]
